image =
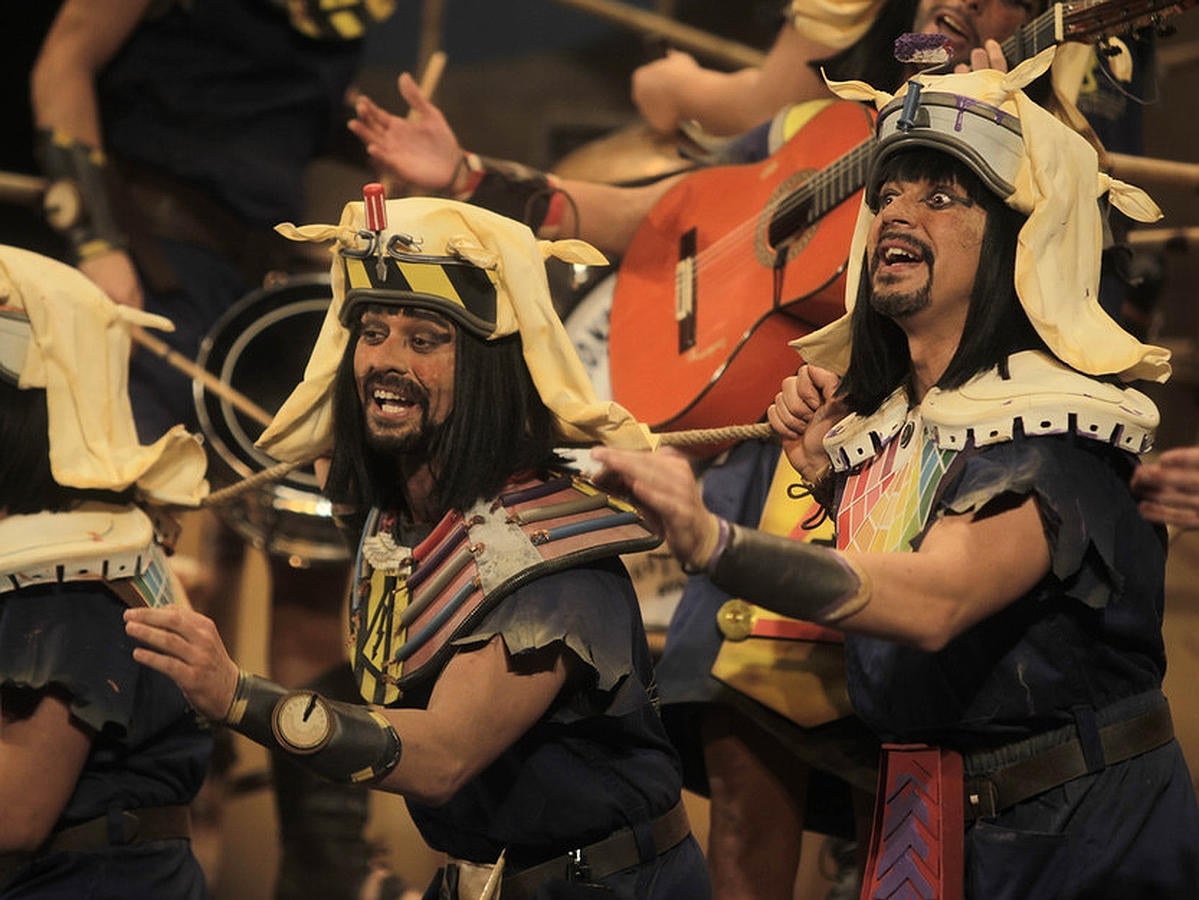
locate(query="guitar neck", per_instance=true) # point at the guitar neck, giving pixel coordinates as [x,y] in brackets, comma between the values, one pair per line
[1086,21]
[820,194]
[1078,20]
[1032,37]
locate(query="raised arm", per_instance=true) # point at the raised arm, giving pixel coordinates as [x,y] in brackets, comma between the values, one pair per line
[422,152]
[84,36]
[677,89]
[967,568]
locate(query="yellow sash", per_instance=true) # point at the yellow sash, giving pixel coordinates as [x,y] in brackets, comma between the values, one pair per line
[794,668]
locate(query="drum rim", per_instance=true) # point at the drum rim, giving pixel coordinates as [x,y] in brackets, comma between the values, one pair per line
[200,395]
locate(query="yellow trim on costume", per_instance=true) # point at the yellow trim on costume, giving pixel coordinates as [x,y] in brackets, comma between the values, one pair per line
[430,279]
[347,25]
[356,273]
[798,115]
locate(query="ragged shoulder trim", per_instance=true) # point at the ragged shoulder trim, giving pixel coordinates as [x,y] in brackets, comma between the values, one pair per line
[1040,396]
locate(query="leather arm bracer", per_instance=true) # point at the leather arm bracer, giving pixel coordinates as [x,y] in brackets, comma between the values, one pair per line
[78,202]
[513,190]
[789,577]
[336,740]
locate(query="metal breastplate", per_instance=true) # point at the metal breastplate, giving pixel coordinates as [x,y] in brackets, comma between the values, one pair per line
[410,604]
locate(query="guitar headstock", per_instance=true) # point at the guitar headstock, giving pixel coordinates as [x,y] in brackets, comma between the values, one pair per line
[1089,20]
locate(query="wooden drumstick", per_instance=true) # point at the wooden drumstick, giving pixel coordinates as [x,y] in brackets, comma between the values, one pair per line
[686,37]
[198,373]
[17,187]
[432,76]
[1182,238]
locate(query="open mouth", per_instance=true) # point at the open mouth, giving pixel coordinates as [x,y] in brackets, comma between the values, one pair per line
[958,30]
[894,255]
[395,400]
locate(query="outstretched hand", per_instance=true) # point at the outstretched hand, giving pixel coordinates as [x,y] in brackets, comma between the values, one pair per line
[420,150]
[184,645]
[1168,488]
[667,490]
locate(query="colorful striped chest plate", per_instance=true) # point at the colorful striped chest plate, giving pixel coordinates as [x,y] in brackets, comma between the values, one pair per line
[409,604]
[886,503]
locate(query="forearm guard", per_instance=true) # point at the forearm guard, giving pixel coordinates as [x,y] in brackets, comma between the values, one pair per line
[339,741]
[79,200]
[789,577]
[513,190]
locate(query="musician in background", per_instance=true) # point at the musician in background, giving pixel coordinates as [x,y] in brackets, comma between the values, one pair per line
[187,128]
[1102,94]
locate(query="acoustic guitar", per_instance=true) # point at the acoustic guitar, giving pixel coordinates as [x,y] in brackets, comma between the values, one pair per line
[735,261]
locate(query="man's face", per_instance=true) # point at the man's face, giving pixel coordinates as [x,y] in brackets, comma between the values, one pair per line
[923,252]
[404,370]
[967,23]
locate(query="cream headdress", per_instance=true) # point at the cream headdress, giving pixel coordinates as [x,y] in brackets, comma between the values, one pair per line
[60,332]
[1037,165]
[485,271]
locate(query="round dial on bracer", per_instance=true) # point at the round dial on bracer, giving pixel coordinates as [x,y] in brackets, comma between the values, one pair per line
[303,722]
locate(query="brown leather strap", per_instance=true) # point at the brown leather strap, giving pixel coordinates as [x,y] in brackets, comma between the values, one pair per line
[603,858]
[131,826]
[990,794]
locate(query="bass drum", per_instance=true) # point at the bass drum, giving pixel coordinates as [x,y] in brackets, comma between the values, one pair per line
[260,347]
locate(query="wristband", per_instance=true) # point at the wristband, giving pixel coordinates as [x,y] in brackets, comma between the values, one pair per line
[340,741]
[789,577]
[78,202]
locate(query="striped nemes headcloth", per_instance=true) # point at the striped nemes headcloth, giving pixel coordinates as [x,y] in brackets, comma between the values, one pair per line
[483,271]
[395,269]
[1039,166]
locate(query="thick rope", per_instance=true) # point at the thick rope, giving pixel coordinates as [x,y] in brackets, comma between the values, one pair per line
[760,431]
[689,438]
[250,482]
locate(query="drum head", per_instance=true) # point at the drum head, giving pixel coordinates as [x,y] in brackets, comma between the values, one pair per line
[260,347]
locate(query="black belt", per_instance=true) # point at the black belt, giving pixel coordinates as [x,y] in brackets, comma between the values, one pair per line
[603,858]
[990,794]
[131,826]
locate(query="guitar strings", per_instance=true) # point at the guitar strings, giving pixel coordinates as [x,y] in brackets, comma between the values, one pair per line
[842,178]
[1040,33]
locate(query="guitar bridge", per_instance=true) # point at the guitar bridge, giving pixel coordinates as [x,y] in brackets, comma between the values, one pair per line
[684,289]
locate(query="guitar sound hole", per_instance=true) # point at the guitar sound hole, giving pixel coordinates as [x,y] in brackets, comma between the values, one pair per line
[765,252]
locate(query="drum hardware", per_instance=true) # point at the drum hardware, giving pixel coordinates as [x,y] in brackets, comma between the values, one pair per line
[259,347]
